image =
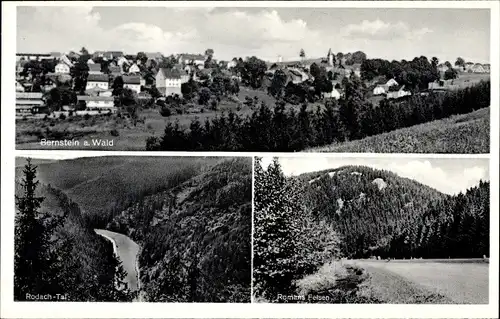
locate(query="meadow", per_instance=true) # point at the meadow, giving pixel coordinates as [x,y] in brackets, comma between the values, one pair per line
[426,281]
[466,133]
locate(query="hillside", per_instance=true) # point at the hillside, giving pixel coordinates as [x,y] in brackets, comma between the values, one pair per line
[85,265]
[378,213]
[102,186]
[467,133]
[195,237]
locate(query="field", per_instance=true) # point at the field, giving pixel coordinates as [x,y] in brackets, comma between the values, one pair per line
[428,281]
[467,133]
[468,79]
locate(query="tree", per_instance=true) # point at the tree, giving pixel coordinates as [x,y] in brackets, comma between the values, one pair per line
[253,72]
[204,96]
[450,74]
[448,64]
[117,86]
[460,62]
[79,73]
[141,56]
[209,53]
[277,88]
[33,260]
[302,54]
[84,51]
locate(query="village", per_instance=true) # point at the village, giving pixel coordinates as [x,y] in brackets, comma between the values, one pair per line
[59,85]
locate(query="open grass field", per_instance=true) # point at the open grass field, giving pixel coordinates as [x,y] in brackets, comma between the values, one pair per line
[466,79]
[429,281]
[467,133]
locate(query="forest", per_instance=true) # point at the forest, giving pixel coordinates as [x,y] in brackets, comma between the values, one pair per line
[306,222]
[57,251]
[378,213]
[190,216]
[195,237]
[281,129]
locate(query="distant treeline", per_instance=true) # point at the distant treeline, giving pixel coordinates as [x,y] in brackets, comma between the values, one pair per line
[350,118]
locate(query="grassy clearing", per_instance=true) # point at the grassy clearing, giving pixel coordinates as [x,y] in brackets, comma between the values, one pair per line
[388,287]
[335,282]
[426,281]
[467,133]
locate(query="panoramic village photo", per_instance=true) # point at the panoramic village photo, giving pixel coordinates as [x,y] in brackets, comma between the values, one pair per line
[279,79]
[371,230]
[133,228]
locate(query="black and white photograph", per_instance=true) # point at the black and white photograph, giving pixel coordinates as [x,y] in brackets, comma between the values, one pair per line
[371,230]
[133,228]
[259,79]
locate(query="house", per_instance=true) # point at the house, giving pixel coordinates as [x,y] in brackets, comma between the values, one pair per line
[97,80]
[114,71]
[62,68]
[95,68]
[55,55]
[154,55]
[298,75]
[90,61]
[121,61]
[334,94]
[132,82]
[379,90]
[28,103]
[442,85]
[231,64]
[442,67]
[102,104]
[355,68]
[168,81]
[478,68]
[468,66]
[134,69]
[390,83]
[97,91]
[64,59]
[19,87]
[98,54]
[144,96]
[396,92]
[195,59]
[110,55]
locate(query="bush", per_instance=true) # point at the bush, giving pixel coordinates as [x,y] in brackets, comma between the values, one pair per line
[114,132]
[62,116]
[165,111]
[86,117]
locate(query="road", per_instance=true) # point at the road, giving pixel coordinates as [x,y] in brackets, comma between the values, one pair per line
[126,250]
[462,281]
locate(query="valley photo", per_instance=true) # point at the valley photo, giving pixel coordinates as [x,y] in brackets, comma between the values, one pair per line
[381,80]
[133,228]
[371,230]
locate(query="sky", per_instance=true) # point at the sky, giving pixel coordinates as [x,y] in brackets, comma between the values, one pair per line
[448,175]
[265,32]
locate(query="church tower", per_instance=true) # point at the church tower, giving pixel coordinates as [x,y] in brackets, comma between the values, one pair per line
[330,57]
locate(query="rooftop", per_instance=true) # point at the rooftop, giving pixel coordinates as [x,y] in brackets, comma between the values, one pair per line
[98,78]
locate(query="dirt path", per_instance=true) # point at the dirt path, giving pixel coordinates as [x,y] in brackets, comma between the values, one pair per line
[463,282]
[127,250]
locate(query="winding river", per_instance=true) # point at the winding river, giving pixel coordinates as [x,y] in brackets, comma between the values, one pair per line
[127,251]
